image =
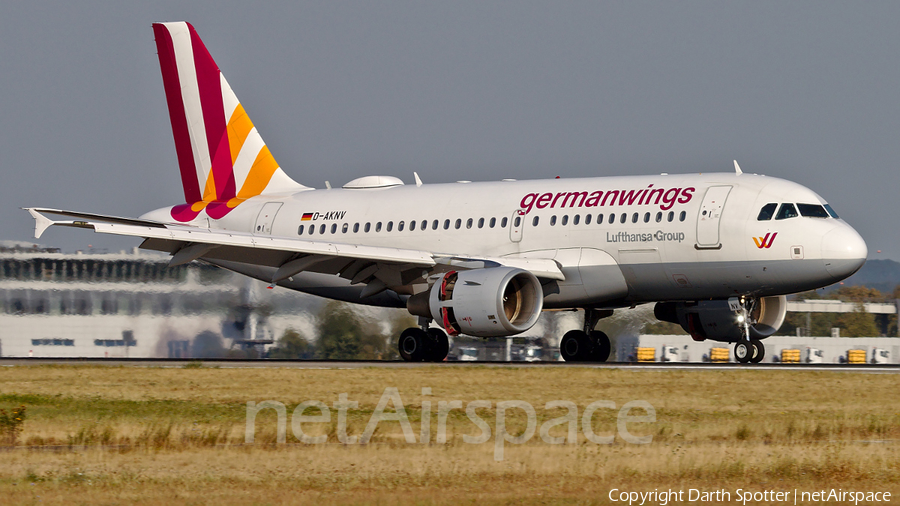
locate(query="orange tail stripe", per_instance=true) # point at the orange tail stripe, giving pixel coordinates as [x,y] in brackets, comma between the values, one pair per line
[239,127]
[209,192]
[260,174]
[198,206]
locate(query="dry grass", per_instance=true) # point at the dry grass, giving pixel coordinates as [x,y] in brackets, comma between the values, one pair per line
[152,436]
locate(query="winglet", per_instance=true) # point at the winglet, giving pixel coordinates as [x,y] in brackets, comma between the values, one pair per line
[41,222]
[737,168]
[418,180]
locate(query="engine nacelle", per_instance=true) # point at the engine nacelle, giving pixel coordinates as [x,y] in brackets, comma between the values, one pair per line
[490,302]
[714,319]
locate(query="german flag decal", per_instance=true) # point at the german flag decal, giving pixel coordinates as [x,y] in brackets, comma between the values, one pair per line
[307,217]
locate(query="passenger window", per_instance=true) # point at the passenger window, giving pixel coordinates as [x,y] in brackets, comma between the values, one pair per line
[300,230]
[322,229]
[368,227]
[634,218]
[493,222]
[399,226]
[469,223]
[434,225]
[503,222]
[355,228]
[390,226]
[624,218]
[334,228]
[682,216]
[576,219]
[312,229]
[458,223]
[518,221]
[553,220]
[412,225]
[671,216]
[378,227]
[480,222]
[786,211]
[812,211]
[646,217]
[424,224]
[565,220]
[612,218]
[766,212]
[534,222]
[587,219]
[345,227]
[659,216]
[446,224]
[831,211]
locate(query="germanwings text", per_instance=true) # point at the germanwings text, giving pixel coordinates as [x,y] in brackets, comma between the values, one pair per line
[664,198]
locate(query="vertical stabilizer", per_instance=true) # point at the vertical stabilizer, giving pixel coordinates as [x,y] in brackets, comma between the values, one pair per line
[221,156]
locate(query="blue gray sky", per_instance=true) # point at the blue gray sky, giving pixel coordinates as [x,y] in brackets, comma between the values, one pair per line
[477,90]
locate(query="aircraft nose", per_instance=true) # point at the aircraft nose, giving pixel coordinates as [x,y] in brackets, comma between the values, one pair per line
[844,251]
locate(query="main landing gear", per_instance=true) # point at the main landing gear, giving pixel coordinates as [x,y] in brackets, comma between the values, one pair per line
[423,344]
[586,345]
[747,350]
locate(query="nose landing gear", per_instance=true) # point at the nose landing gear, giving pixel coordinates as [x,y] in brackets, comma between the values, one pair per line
[747,350]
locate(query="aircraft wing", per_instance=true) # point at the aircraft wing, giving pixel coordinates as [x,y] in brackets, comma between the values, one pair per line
[378,266]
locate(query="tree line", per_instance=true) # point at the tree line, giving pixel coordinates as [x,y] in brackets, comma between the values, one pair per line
[342,334]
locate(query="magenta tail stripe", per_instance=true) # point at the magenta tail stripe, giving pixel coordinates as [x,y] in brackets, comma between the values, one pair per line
[210,87]
[172,85]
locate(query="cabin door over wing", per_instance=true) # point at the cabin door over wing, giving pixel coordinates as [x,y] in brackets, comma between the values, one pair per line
[709,217]
[516,224]
[266,218]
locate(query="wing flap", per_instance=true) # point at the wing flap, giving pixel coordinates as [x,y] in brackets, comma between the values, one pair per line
[221,238]
[38,212]
[189,243]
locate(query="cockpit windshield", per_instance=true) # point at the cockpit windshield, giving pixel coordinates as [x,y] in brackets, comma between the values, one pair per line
[786,211]
[789,210]
[767,212]
[812,211]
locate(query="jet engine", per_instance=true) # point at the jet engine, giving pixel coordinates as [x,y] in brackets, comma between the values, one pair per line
[717,319]
[489,302]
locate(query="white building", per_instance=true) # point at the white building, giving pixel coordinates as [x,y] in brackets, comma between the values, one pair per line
[129,305]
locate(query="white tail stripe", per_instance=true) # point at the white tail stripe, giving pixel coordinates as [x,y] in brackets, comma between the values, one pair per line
[249,151]
[190,96]
[282,183]
[229,99]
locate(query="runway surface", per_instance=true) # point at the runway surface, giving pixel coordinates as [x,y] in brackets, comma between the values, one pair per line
[354,364]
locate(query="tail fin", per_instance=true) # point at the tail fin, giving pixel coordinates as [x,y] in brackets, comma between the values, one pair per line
[222,158]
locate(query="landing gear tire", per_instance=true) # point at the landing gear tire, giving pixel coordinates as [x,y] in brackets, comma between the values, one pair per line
[759,351]
[743,351]
[412,344]
[601,347]
[574,346]
[438,347]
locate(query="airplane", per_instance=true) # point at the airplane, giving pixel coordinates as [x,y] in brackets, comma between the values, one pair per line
[716,253]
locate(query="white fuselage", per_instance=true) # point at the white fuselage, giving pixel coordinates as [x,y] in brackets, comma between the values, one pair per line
[618,240]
